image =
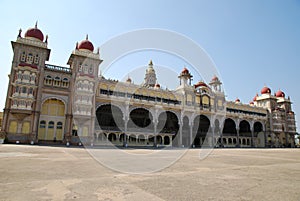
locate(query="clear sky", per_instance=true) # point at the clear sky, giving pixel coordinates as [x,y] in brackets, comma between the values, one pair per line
[252,42]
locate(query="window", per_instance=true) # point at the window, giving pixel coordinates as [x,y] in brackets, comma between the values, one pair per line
[17,89]
[36,59]
[51,124]
[59,125]
[56,81]
[65,82]
[91,69]
[29,58]
[30,91]
[23,57]
[43,124]
[80,67]
[24,90]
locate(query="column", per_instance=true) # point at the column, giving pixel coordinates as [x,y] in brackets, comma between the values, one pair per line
[191,135]
[238,137]
[252,137]
[212,136]
[180,133]
[125,132]
[155,128]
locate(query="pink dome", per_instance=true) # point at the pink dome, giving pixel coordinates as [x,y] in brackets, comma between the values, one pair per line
[266,90]
[280,93]
[185,71]
[86,44]
[200,84]
[34,33]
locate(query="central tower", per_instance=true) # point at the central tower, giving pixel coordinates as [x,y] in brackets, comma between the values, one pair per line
[150,76]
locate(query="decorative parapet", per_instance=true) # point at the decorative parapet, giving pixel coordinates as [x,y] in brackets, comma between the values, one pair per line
[32,42]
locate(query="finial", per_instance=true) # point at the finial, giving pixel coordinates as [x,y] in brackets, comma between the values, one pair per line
[87,37]
[20,31]
[36,24]
[46,41]
[151,63]
[98,50]
[76,46]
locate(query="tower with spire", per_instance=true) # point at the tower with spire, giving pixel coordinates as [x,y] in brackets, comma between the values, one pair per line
[150,76]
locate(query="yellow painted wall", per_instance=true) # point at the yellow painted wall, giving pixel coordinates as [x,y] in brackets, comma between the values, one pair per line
[13,126]
[26,127]
[85,131]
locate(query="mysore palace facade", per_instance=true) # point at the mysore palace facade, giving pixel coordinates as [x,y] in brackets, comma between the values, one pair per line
[53,104]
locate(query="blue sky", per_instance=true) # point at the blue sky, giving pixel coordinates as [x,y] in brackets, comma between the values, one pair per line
[253,43]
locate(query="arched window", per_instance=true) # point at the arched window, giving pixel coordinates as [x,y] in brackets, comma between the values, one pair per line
[57,81]
[29,58]
[48,80]
[65,82]
[51,124]
[43,124]
[59,125]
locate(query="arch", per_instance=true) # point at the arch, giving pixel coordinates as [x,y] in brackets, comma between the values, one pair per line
[112,137]
[122,137]
[141,139]
[200,129]
[54,102]
[132,138]
[140,120]
[159,139]
[166,140]
[257,127]
[229,128]
[168,123]
[245,130]
[110,117]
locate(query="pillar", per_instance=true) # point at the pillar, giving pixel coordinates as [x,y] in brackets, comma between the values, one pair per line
[191,135]
[252,137]
[180,133]
[238,136]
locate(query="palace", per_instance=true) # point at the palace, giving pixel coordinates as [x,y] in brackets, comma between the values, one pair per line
[53,104]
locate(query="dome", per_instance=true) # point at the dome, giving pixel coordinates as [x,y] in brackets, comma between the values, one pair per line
[266,90]
[128,80]
[251,103]
[200,84]
[237,100]
[255,97]
[214,79]
[280,93]
[86,44]
[34,33]
[157,85]
[185,71]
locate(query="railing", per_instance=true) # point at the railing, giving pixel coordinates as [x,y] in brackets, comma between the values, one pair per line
[58,68]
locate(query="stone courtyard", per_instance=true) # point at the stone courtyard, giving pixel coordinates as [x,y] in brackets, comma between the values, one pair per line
[68,173]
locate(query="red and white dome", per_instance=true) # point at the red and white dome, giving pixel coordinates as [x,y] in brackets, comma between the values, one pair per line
[185,71]
[280,93]
[214,79]
[34,33]
[200,84]
[266,90]
[86,45]
[237,100]
[255,97]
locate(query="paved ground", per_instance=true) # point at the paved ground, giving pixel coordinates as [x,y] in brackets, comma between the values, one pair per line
[61,173]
